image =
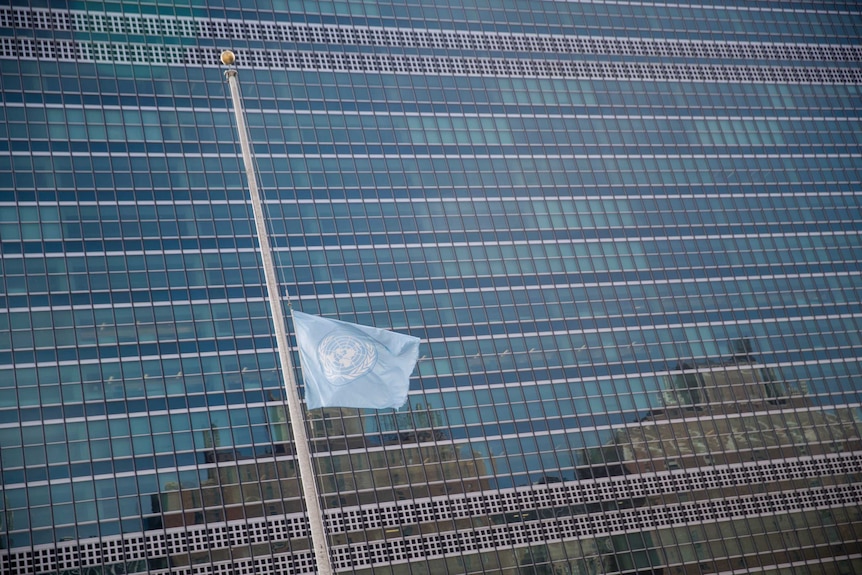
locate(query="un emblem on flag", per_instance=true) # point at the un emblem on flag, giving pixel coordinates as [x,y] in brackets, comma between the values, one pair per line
[345,358]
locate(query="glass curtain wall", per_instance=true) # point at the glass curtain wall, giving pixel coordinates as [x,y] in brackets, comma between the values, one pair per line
[628,236]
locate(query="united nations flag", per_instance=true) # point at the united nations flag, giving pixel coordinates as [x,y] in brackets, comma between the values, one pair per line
[349,365]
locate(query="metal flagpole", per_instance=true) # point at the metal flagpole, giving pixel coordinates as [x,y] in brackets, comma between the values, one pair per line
[297,420]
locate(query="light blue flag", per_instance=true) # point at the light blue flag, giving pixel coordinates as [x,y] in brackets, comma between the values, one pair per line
[350,365]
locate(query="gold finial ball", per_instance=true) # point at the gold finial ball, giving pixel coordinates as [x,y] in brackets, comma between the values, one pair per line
[228,58]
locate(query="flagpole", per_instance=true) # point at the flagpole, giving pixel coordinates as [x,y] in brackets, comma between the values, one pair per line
[294,406]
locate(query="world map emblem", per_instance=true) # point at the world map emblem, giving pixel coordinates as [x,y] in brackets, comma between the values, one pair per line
[345,358]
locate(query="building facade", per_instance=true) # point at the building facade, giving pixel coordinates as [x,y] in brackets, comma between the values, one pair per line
[628,235]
